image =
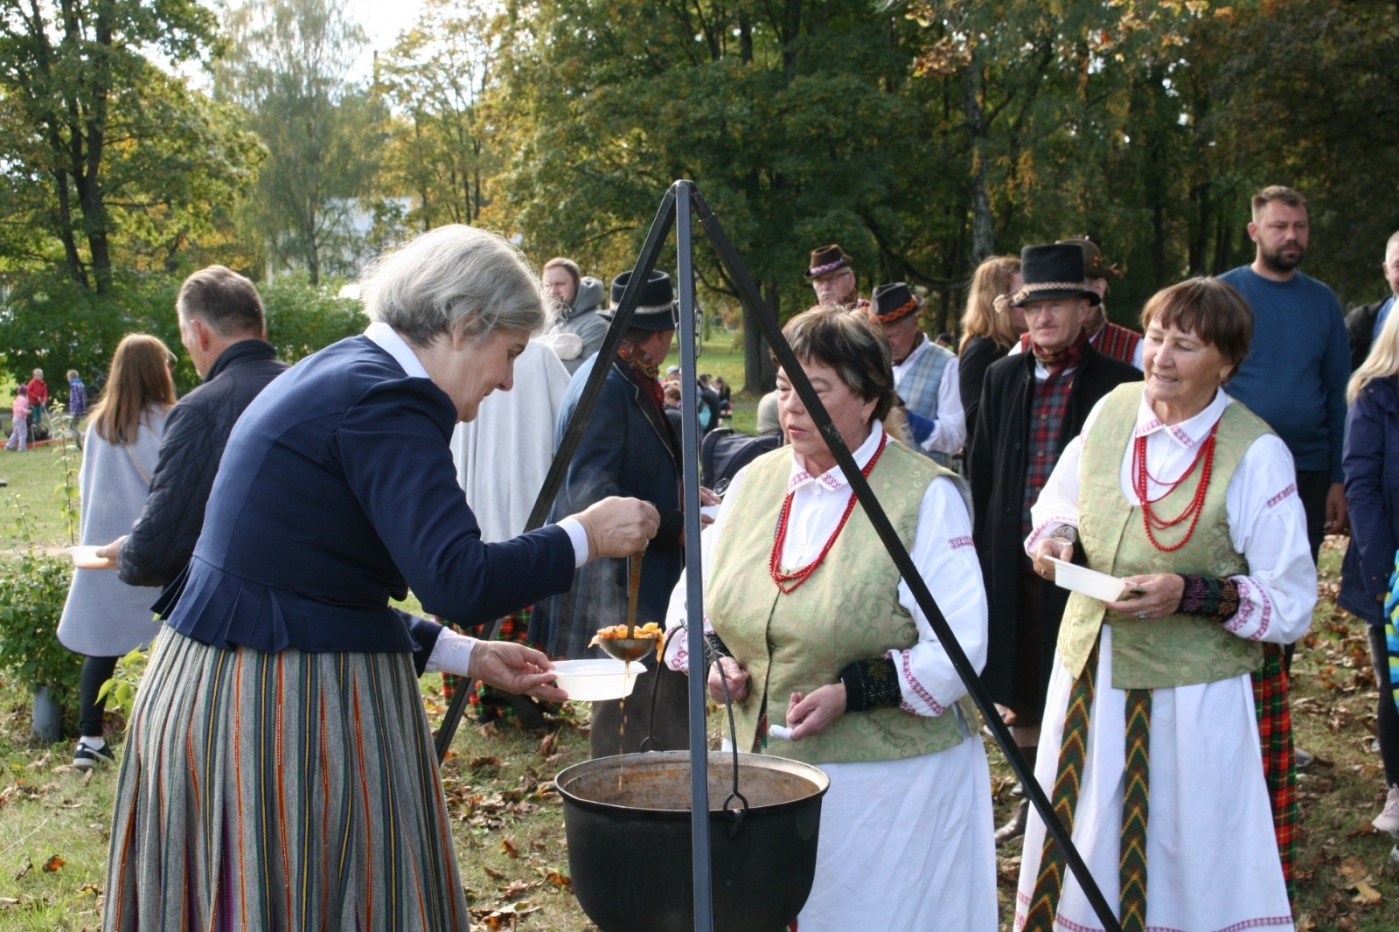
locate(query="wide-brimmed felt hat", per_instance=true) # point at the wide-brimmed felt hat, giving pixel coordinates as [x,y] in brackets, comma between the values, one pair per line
[655,305]
[1094,265]
[1050,272]
[828,259]
[894,301]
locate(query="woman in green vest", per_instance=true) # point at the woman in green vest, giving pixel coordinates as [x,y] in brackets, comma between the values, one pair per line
[829,659]
[1168,774]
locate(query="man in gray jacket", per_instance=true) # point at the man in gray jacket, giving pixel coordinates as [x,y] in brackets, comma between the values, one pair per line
[579,298]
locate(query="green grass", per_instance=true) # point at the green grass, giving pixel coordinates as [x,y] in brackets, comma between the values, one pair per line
[30,502]
[497,780]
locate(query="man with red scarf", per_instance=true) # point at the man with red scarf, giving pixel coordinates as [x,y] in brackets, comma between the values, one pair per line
[1032,405]
[630,449]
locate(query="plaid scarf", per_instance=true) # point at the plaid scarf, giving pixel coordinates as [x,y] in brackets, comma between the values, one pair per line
[1067,358]
[647,372]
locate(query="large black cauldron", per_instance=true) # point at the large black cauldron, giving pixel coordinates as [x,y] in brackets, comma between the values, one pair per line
[629,848]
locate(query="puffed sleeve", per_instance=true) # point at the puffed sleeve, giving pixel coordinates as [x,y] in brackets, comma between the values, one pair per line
[1267,525]
[945,557]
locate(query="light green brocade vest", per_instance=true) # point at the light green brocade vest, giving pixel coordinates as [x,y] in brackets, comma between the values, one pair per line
[1178,650]
[847,610]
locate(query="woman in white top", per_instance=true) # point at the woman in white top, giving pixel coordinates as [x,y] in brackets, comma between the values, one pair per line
[816,632]
[1188,498]
[104,618]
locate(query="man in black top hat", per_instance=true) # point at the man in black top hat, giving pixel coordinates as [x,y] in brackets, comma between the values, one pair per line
[628,449]
[924,373]
[1032,405]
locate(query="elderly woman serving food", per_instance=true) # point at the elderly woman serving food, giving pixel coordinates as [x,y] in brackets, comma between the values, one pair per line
[279,770]
[1190,501]
[820,641]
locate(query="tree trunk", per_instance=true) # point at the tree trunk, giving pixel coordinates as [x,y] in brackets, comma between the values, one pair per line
[759,372]
[983,229]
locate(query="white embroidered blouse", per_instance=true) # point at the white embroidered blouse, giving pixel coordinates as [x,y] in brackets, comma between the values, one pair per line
[1266,521]
[942,550]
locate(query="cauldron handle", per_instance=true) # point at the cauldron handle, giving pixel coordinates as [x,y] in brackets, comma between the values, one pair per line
[735,816]
[656,688]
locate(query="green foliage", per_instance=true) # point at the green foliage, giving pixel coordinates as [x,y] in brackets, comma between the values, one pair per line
[120,691]
[32,592]
[109,162]
[288,66]
[303,318]
[68,459]
[442,148]
[56,324]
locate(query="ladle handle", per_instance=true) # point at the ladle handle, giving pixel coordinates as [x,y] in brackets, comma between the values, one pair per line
[634,591]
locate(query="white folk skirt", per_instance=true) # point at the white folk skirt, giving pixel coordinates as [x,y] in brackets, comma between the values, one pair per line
[907,845]
[1212,855]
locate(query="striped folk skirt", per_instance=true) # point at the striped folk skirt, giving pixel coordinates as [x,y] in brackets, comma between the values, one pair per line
[288,791]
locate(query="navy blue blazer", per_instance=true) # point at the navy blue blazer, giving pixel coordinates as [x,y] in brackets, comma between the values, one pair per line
[1371,465]
[629,449]
[337,492]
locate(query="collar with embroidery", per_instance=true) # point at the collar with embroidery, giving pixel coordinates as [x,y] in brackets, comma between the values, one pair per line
[1188,432]
[833,479]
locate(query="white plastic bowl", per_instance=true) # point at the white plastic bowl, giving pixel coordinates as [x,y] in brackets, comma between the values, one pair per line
[1091,583]
[85,558]
[597,679]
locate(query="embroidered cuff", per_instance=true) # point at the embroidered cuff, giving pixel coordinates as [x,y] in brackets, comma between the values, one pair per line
[871,684]
[1209,597]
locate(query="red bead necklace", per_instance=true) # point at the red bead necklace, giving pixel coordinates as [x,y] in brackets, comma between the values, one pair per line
[788,582]
[1197,502]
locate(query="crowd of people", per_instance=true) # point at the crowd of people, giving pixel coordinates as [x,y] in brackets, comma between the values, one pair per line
[272,515]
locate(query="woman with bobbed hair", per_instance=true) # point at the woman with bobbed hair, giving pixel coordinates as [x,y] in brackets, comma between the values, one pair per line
[1371,462]
[104,618]
[830,660]
[279,757]
[1188,499]
[989,329]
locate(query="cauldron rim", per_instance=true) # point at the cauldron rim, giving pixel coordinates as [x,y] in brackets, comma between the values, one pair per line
[717,759]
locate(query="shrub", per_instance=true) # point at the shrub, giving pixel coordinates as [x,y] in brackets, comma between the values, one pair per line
[32,592]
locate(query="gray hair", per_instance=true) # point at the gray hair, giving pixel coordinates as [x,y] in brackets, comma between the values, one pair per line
[454,279]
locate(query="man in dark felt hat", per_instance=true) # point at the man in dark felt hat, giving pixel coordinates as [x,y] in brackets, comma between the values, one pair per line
[1106,337]
[1032,405]
[629,448]
[832,275]
[925,374]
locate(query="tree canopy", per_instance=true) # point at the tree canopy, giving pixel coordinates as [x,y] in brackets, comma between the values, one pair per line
[922,135]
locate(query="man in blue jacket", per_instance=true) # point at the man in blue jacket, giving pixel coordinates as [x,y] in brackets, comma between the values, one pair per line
[628,449]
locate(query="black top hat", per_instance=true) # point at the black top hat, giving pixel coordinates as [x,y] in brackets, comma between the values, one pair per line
[655,305]
[1051,272]
[1094,265]
[828,259]
[894,301]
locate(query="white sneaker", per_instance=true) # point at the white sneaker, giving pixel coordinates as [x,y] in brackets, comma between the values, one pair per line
[1388,821]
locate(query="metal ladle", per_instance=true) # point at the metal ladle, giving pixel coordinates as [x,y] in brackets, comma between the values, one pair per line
[630,647]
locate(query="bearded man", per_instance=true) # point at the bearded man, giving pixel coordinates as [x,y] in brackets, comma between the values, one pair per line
[1296,371]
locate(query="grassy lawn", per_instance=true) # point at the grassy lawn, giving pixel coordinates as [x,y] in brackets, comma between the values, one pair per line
[508,823]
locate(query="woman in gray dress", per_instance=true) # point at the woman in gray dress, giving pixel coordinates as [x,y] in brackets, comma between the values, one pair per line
[104,618]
